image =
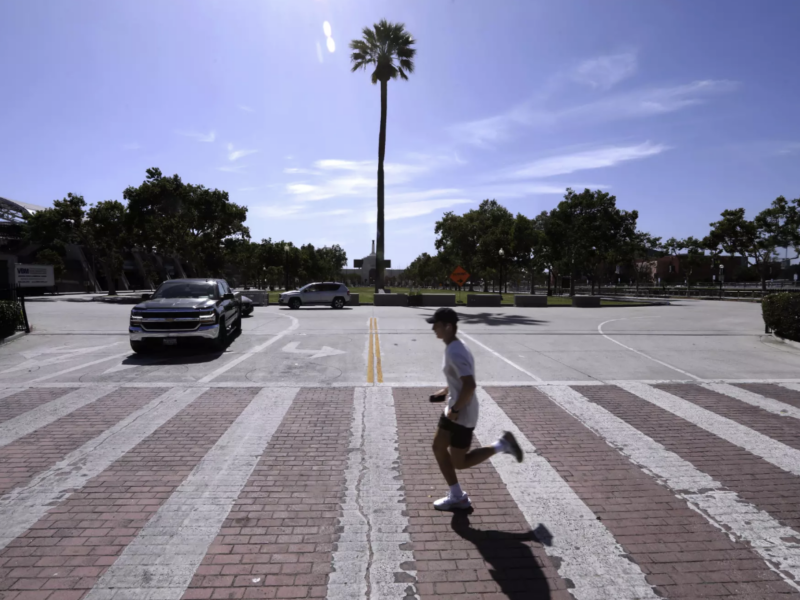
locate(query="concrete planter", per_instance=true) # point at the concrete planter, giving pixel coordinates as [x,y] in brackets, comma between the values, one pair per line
[530,301]
[438,299]
[483,300]
[586,301]
[391,300]
[354,300]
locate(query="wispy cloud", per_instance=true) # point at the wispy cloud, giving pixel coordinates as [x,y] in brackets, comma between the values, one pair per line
[786,148]
[232,168]
[647,102]
[133,146]
[599,158]
[296,211]
[199,137]
[485,132]
[245,108]
[635,104]
[604,72]
[237,154]
[299,171]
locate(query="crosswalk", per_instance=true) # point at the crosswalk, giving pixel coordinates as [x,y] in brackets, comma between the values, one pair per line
[629,490]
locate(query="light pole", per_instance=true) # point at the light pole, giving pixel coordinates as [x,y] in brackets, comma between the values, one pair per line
[500,288]
[721,278]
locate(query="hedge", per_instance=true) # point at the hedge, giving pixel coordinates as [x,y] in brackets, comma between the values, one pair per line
[10,318]
[782,314]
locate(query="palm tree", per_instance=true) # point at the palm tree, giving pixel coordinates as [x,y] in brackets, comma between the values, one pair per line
[388,48]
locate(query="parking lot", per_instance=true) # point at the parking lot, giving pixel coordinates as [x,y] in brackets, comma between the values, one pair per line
[662,457]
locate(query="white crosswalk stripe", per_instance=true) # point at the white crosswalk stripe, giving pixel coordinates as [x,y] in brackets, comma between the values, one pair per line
[22,507]
[721,506]
[590,556]
[373,524]
[43,415]
[779,454]
[757,400]
[168,550]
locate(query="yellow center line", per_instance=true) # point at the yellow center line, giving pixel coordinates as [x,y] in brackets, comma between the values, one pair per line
[378,352]
[370,376]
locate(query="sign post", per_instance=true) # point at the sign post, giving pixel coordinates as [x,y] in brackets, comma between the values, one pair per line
[460,277]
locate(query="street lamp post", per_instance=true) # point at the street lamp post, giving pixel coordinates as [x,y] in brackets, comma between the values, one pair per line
[721,278]
[500,289]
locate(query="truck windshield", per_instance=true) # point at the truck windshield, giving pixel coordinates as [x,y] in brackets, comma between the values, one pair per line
[200,289]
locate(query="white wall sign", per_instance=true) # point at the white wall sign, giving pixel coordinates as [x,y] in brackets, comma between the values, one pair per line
[34,276]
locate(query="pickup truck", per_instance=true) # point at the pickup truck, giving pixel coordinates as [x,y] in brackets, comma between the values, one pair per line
[185,311]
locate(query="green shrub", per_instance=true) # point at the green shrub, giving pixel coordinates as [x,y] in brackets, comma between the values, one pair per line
[10,317]
[782,314]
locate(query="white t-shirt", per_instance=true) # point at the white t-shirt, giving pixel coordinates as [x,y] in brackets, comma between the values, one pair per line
[458,363]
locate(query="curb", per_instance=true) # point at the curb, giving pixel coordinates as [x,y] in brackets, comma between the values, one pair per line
[786,341]
[13,337]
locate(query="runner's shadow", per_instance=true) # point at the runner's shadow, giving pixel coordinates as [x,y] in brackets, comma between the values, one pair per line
[514,566]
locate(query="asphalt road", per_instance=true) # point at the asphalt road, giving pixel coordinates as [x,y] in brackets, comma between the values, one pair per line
[319,346]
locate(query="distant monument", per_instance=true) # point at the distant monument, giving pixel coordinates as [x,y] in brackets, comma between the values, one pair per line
[366,268]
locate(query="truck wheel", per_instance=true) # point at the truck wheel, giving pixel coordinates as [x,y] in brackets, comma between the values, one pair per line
[222,336]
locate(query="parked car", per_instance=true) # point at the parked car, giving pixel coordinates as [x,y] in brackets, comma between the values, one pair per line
[185,311]
[247,306]
[332,294]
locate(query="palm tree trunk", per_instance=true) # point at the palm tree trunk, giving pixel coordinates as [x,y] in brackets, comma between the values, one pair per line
[379,273]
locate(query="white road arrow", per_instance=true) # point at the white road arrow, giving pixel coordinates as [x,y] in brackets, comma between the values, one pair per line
[326,351]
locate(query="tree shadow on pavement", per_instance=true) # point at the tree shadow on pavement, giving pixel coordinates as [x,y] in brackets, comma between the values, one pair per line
[513,565]
[493,319]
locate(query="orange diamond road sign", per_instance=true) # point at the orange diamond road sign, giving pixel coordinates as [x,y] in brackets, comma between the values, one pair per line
[460,276]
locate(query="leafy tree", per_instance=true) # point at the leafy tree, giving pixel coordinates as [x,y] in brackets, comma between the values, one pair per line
[332,259]
[171,217]
[526,239]
[51,257]
[104,233]
[757,241]
[458,240]
[54,228]
[585,229]
[387,48]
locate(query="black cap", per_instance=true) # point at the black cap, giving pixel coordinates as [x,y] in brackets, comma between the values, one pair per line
[443,315]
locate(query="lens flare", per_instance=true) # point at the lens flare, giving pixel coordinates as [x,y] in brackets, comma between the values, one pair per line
[331,45]
[326,27]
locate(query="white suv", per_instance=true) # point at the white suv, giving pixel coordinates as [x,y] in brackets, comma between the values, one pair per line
[335,295]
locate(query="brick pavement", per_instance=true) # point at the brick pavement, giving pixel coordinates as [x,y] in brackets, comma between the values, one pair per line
[681,553]
[782,429]
[41,449]
[776,392]
[64,553]
[762,484]
[16,404]
[278,538]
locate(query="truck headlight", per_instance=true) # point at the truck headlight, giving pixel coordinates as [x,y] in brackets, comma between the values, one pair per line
[136,317]
[208,318]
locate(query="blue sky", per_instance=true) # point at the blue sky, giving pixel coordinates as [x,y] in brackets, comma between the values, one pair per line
[679,108]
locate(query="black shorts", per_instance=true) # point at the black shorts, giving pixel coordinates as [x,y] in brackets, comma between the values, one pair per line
[460,436]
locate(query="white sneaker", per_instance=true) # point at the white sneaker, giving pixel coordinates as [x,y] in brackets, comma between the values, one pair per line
[449,503]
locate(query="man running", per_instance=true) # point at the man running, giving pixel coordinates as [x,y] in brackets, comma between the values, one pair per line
[454,434]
